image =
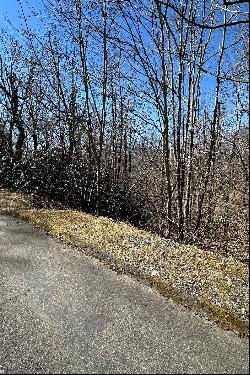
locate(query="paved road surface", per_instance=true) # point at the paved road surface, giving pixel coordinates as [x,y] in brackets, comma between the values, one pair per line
[63,312]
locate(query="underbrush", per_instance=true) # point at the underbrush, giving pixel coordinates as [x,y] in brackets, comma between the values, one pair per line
[210,284]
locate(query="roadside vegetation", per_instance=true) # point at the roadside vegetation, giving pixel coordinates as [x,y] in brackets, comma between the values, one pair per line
[125,124]
[133,110]
[210,284]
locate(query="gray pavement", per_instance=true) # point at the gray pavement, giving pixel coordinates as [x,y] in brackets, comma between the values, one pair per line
[64,312]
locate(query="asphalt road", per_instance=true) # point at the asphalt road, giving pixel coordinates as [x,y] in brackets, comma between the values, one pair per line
[64,312]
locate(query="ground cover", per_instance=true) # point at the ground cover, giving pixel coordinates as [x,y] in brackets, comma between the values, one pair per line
[212,285]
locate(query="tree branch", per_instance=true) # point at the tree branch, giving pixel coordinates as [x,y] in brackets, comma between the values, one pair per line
[205,26]
[233,2]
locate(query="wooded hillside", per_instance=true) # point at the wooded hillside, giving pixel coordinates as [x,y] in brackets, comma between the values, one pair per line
[135,110]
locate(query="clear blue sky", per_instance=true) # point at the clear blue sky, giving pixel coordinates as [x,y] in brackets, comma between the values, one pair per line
[10,9]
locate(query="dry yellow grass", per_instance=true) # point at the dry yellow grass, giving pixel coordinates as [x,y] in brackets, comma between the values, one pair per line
[209,283]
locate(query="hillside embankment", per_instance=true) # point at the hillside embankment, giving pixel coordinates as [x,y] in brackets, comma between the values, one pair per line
[212,285]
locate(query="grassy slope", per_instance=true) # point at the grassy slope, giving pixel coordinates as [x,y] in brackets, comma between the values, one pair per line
[210,284]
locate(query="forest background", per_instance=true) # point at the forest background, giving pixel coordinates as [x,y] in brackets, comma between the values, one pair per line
[136,110]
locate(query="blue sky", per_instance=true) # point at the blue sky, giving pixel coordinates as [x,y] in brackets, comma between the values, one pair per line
[10,9]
